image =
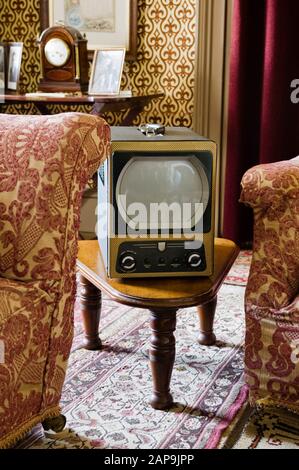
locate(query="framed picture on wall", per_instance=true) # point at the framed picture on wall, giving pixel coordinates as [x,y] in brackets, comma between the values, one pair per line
[15,50]
[106,23]
[2,67]
[106,73]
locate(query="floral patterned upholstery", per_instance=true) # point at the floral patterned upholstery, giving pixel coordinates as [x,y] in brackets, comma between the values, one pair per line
[45,163]
[272,294]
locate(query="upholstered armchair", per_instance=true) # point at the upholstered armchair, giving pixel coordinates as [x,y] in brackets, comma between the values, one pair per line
[45,163]
[272,294]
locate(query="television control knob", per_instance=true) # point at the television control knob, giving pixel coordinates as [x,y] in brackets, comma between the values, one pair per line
[194,260]
[128,262]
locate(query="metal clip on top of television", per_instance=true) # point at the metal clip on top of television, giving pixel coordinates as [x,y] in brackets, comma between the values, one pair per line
[150,130]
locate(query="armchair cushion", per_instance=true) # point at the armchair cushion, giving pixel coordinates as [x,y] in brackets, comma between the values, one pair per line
[272,293]
[45,162]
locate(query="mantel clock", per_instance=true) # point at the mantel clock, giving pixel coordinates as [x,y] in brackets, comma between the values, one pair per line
[64,60]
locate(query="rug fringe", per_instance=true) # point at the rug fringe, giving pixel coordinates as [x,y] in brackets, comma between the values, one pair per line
[14,436]
[268,402]
[236,431]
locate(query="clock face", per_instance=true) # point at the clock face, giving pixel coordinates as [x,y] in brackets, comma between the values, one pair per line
[57,52]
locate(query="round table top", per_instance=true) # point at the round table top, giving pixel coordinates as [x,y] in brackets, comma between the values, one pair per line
[175,292]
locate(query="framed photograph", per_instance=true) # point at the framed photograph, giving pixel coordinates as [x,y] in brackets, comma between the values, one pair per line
[15,50]
[106,72]
[106,23]
[2,67]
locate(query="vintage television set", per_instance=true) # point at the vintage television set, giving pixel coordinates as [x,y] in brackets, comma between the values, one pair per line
[156,204]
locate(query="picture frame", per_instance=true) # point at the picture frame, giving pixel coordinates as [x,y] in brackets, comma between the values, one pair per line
[3,66]
[117,29]
[15,50]
[106,72]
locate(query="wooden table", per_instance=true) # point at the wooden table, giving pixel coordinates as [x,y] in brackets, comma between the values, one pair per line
[163,297]
[130,105]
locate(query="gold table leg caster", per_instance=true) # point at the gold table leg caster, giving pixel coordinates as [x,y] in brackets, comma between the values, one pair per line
[54,424]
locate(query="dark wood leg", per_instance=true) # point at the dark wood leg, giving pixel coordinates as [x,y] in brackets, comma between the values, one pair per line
[131,115]
[42,108]
[206,314]
[98,109]
[55,424]
[162,354]
[91,303]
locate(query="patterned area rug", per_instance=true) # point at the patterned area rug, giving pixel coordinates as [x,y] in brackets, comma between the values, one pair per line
[239,273]
[106,393]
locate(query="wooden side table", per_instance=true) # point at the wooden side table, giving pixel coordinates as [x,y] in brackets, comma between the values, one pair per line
[130,106]
[163,297]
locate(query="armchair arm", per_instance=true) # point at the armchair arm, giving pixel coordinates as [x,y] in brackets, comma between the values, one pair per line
[272,191]
[265,185]
[45,163]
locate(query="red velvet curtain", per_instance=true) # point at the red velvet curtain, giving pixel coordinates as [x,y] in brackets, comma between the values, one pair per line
[263,123]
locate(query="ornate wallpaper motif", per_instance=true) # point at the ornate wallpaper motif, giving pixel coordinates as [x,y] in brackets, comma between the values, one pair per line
[165,60]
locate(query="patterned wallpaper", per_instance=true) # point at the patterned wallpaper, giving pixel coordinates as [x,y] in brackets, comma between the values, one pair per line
[165,60]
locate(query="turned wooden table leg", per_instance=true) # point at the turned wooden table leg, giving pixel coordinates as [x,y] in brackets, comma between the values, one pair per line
[91,303]
[206,314]
[162,354]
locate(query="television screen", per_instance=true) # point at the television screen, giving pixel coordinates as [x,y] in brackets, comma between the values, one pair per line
[149,188]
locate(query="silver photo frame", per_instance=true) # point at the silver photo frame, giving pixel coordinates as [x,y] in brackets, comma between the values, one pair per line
[2,67]
[106,73]
[15,50]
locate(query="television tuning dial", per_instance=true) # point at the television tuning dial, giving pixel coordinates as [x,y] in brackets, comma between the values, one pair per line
[128,262]
[194,260]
